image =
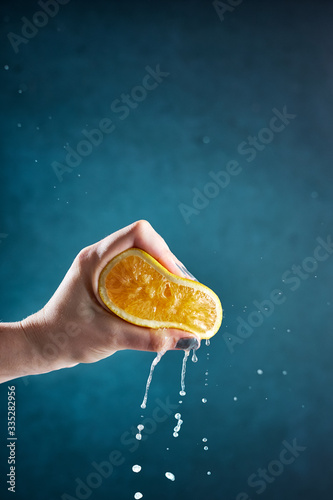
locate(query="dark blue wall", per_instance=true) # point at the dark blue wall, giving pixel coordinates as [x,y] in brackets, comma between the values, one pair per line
[239,215]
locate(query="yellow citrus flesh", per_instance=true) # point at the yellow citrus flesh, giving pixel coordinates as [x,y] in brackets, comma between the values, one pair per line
[140,290]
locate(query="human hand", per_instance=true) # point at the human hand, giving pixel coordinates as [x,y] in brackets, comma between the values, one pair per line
[76,327]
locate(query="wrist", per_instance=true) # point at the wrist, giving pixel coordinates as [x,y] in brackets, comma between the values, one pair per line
[45,344]
[20,349]
[31,347]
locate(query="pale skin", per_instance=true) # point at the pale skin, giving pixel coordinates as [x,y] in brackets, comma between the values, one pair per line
[75,326]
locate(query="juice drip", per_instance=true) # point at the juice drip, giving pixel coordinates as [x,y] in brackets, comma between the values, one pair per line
[140,428]
[182,378]
[178,426]
[156,360]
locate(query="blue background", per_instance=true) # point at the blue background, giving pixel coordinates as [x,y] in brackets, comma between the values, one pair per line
[225,78]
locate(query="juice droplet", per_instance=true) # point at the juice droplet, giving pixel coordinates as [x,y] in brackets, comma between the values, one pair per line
[209,473]
[170,476]
[178,426]
[136,468]
[138,495]
[205,448]
[194,357]
[140,428]
[207,342]
[204,440]
[204,400]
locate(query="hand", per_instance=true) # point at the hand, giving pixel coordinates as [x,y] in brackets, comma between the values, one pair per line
[76,327]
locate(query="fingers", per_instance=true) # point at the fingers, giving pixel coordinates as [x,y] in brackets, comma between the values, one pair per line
[145,339]
[142,235]
[172,339]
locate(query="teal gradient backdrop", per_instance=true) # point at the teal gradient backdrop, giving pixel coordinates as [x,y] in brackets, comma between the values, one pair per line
[240,197]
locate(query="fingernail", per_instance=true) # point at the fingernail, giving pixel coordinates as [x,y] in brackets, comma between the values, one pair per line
[189,274]
[187,343]
[185,271]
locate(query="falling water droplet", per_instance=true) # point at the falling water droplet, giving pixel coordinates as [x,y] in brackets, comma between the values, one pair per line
[260,372]
[178,426]
[138,495]
[194,357]
[136,468]
[170,476]
[204,400]
[204,440]
[205,448]
[209,473]
[207,342]
[140,428]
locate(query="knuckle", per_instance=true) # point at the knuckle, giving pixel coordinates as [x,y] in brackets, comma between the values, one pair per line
[84,257]
[154,342]
[142,225]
